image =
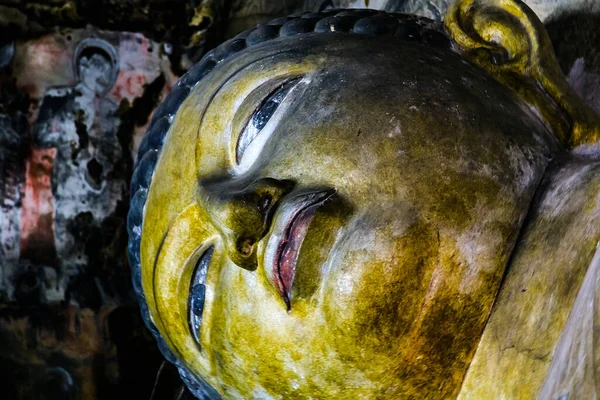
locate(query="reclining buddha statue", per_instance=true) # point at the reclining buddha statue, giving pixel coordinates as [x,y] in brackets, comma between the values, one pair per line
[364,205]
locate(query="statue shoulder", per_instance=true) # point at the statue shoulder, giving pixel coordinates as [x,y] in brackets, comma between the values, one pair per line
[541,326]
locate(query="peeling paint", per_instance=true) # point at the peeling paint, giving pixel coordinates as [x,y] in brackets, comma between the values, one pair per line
[73,107]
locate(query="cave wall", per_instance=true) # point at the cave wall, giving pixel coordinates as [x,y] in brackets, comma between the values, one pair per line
[79,81]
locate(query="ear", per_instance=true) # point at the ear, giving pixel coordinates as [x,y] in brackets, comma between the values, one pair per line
[505,38]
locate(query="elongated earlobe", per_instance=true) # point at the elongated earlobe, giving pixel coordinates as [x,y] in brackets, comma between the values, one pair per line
[506,38]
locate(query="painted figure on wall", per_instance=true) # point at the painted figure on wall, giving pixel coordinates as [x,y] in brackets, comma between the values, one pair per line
[80,125]
[356,204]
[71,105]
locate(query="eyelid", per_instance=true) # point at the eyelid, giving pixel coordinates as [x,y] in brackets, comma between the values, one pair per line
[262,115]
[253,103]
[197,291]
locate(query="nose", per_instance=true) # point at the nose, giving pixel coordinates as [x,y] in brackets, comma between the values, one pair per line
[242,212]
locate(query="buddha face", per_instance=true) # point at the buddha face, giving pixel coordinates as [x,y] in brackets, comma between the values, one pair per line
[332,215]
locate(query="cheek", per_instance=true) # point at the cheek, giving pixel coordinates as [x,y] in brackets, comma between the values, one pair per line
[254,341]
[377,284]
[246,310]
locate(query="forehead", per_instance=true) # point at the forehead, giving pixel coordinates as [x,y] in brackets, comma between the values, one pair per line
[358,56]
[446,107]
[370,67]
[358,79]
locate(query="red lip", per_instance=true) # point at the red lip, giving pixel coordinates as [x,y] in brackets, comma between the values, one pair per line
[288,249]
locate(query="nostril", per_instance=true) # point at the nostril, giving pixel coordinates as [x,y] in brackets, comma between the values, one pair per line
[270,191]
[245,246]
[242,211]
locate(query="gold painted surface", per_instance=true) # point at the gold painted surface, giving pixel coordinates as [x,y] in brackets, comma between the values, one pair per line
[507,39]
[433,180]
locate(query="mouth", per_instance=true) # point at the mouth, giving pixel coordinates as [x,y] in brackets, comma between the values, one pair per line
[289,230]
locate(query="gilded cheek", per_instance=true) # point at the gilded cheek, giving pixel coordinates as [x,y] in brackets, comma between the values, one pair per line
[378,291]
[254,339]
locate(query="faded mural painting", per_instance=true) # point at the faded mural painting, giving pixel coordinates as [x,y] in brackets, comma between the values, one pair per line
[75,104]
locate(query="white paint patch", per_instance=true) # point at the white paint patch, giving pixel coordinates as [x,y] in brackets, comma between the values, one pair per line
[478,248]
[396,129]
[555,203]
[261,394]
[591,151]
[572,368]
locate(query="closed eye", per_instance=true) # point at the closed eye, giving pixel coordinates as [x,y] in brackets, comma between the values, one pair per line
[198,293]
[259,120]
